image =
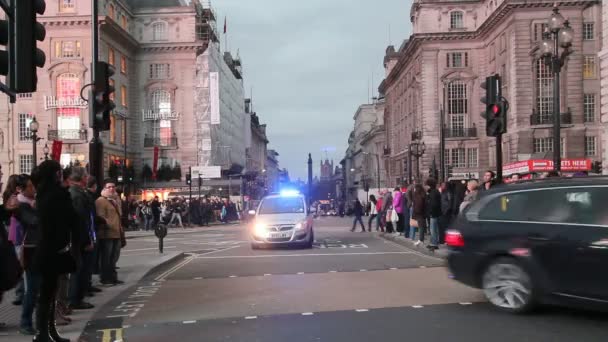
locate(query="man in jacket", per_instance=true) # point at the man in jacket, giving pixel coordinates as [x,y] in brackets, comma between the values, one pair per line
[110,234]
[446,209]
[92,196]
[84,252]
[434,211]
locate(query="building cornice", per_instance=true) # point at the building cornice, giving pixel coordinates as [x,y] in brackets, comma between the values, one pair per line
[164,47]
[497,17]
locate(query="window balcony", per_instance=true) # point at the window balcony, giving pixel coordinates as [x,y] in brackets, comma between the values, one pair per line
[460,132]
[164,143]
[68,135]
[547,119]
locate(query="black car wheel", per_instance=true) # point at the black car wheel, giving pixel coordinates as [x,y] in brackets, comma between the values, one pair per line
[255,246]
[311,240]
[508,286]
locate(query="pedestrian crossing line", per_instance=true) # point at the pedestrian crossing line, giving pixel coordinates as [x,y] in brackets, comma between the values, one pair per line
[307,313]
[417,306]
[362,310]
[188,322]
[251,317]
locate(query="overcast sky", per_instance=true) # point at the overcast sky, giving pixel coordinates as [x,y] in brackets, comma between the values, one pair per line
[309,63]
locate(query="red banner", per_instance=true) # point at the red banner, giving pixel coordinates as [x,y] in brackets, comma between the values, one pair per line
[155,162]
[56,150]
[545,165]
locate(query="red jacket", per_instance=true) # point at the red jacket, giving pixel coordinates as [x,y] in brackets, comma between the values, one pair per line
[379,205]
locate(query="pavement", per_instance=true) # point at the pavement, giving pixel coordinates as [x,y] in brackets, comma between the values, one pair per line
[441,252]
[350,286]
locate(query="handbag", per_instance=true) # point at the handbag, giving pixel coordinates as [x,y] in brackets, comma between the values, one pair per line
[414,223]
[394,216]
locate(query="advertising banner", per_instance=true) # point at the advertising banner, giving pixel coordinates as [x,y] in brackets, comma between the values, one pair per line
[56,150]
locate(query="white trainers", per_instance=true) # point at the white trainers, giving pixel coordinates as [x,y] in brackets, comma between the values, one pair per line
[417,243]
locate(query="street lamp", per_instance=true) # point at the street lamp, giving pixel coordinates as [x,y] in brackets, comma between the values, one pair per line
[46,151]
[377,167]
[34,126]
[558,34]
[417,149]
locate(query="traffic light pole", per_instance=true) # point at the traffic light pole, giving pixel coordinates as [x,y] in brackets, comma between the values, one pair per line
[190,185]
[95,146]
[499,158]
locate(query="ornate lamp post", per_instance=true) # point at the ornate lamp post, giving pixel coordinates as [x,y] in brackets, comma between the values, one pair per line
[417,149]
[34,126]
[46,151]
[558,34]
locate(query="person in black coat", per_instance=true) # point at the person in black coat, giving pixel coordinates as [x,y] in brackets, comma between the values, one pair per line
[58,229]
[447,205]
[358,212]
[434,211]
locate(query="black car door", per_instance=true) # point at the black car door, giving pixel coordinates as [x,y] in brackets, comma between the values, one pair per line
[585,243]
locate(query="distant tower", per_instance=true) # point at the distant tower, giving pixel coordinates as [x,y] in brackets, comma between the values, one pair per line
[327,170]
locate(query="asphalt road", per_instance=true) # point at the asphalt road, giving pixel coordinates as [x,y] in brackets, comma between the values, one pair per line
[349,287]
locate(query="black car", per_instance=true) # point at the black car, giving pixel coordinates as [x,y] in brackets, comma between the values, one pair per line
[539,242]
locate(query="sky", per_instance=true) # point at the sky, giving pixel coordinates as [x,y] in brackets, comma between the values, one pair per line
[310,65]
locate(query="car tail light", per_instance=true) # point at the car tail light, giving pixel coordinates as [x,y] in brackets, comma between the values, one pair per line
[453,238]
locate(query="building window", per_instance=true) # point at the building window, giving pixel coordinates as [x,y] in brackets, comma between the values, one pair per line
[458,60]
[545,145]
[123,132]
[68,118]
[456,20]
[472,160]
[123,64]
[112,94]
[123,95]
[539,30]
[111,11]
[589,67]
[67,49]
[589,107]
[544,91]
[26,163]
[112,129]
[588,31]
[590,146]
[111,56]
[67,5]
[161,129]
[458,157]
[24,126]
[159,31]
[25,95]
[160,71]
[457,105]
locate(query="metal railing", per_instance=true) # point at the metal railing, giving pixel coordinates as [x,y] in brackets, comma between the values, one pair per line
[546,119]
[67,134]
[457,132]
[161,142]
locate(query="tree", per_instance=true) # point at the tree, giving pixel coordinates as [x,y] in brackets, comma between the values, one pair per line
[146,172]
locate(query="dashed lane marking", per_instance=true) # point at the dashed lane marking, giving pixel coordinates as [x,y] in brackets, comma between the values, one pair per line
[297,255]
[267,274]
[189,322]
[362,270]
[251,317]
[307,313]
[393,268]
[300,272]
[333,271]
[198,278]
[465,303]
[232,276]
[362,310]
[417,306]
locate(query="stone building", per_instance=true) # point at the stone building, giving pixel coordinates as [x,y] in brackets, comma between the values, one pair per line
[603,55]
[175,90]
[455,44]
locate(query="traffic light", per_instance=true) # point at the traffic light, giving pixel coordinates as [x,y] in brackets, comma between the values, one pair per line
[26,57]
[597,167]
[496,107]
[188,179]
[102,90]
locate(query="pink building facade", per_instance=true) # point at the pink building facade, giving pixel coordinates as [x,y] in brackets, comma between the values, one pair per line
[439,69]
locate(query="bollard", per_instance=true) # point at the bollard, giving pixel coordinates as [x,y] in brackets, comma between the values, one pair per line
[160,231]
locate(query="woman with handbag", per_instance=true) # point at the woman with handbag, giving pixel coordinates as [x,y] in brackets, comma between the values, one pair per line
[53,258]
[419,211]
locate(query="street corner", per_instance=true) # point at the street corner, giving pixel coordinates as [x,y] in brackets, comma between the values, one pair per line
[440,253]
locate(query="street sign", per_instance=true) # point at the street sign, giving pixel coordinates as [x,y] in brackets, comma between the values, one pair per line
[206,172]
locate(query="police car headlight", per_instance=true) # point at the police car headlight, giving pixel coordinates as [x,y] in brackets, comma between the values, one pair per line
[260,229]
[301,226]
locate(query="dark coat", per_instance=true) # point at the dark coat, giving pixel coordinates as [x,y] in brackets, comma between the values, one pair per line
[446,203]
[419,205]
[358,210]
[83,207]
[58,227]
[434,203]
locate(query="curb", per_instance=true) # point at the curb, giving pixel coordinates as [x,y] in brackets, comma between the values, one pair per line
[178,231]
[161,265]
[442,252]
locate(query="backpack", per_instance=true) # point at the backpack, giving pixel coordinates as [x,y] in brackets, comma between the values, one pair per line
[9,263]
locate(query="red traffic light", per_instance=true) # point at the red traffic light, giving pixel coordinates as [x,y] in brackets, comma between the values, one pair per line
[495,109]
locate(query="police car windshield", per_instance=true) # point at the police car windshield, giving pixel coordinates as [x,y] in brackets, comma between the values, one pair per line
[282,205]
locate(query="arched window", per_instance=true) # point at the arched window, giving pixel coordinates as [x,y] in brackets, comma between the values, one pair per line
[458,104]
[68,116]
[544,91]
[161,105]
[456,20]
[159,31]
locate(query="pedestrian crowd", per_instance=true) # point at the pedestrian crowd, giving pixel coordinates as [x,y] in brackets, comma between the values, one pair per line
[419,210]
[57,231]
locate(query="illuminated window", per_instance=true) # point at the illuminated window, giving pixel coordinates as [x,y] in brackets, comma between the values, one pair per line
[112,129]
[67,5]
[123,132]
[111,11]
[123,22]
[68,118]
[159,31]
[111,56]
[112,95]
[161,129]
[589,67]
[456,20]
[24,126]
[123,95]
[67,49]
[123,64]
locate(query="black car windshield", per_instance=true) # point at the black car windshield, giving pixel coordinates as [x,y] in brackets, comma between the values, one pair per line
[282,205]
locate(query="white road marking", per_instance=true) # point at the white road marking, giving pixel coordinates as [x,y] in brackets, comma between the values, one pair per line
[198,278]
[362,270]
[232,276]
[126,326]
[188,322]
[146,249]
[307,313]
[251,317]
[300,272]
[267,274]
[186,262]
[333,271]
[394,268]
[422,266]
[362,310]
[465,303]
[409,249]
[298,255]
[417,306]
